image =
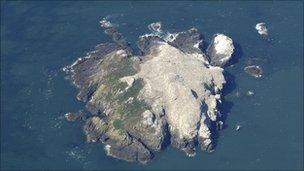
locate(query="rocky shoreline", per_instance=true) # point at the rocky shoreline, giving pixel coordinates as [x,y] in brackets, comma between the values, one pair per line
[166,92]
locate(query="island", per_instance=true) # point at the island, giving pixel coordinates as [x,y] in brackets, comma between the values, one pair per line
[165,92]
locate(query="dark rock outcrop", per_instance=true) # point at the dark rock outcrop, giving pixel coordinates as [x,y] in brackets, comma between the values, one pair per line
[254,70]
[189,41]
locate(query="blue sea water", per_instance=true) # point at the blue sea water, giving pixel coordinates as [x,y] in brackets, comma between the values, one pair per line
[39,38]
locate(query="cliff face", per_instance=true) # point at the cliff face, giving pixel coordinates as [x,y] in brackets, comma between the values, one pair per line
[166,95]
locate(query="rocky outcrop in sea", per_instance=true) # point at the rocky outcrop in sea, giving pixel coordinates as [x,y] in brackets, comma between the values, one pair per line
[166,92]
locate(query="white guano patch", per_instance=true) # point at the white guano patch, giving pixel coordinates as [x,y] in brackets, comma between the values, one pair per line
[176,81]
[129,80]
[223,45]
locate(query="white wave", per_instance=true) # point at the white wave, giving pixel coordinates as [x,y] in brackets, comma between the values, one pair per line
[107,149]
[76,153]
[155,27]
[261,28]
[146,35]
[170,37]
[76,62]
[105,23]
[197,44]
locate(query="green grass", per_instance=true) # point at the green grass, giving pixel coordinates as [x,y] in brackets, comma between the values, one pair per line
[120,68]
[132,91]
[117,70]
[136,107]
[118,124]
[125,113]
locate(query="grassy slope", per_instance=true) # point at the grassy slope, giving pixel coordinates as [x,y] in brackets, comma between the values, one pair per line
[112,91]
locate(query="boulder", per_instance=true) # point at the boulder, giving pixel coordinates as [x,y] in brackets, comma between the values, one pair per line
[254,70]
[220,50]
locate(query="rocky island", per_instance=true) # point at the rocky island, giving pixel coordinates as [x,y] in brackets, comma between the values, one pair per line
[166,92]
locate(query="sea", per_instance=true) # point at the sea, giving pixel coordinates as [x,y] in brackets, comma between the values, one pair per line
[39,38]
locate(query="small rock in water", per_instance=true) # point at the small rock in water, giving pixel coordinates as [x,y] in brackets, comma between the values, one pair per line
[190,152]
[73,116]
[219,125]
[238,127]
[238,94]
[250,93]
[254,61]
[220,50]
[254,70]
[261,28]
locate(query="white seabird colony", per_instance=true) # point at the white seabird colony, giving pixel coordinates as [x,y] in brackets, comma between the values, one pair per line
[220,50]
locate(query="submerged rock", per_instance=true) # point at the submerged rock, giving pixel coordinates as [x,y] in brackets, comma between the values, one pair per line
[167,94]
[135,151]
[250,93]
[255,61]
[238,127]
[254,70]
[220,50]
[73,116]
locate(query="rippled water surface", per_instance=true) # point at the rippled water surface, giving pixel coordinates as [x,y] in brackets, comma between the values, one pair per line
[39,38]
